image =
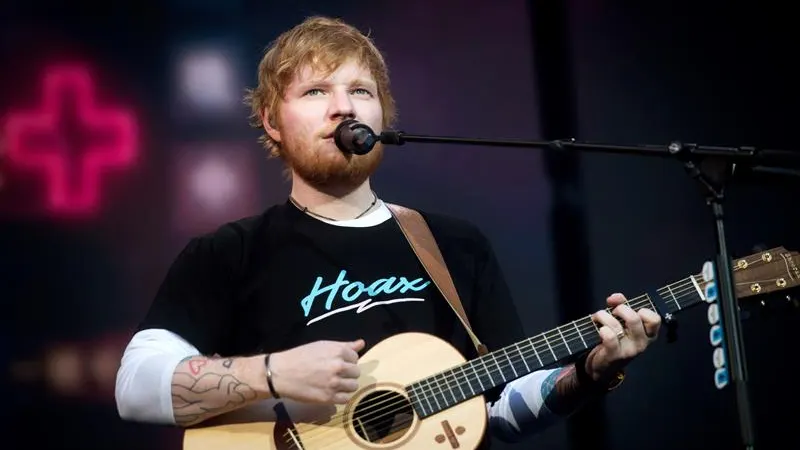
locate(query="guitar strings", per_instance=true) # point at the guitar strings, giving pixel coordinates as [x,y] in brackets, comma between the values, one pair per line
[367,418]
[687,285]
[637,302]
[385,408]
[402,401]
[678,293]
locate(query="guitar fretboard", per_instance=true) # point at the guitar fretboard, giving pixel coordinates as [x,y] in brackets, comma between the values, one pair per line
[445,389]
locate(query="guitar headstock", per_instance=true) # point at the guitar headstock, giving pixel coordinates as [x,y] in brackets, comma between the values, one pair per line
[766,272]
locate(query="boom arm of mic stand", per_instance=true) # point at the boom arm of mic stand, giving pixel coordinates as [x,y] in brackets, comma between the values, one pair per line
[712,166]
[746,155]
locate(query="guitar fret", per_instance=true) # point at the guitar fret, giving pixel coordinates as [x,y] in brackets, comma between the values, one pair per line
[425,396]
[410,390]
[510,363]
[674,298]
[458,383]
[448,388]
[486,368]
[435,395]
[566,344]
[439,397]
[477,376]
[535,352]
[444,388]
[650,303]
[453,383]
[550,346]
[466,378]
[580,334]
[523,358]
[499,369]
[415,397]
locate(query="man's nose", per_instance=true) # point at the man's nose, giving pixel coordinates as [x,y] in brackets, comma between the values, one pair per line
[341,106]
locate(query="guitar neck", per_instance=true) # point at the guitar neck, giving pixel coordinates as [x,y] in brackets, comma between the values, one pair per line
[445,389]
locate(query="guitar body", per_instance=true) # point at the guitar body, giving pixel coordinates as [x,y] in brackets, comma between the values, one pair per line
[379,415]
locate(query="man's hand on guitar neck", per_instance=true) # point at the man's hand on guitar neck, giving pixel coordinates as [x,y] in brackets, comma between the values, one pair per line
[620,343]
[600,370]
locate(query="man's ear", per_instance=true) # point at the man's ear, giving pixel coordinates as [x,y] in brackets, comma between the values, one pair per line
[269,126]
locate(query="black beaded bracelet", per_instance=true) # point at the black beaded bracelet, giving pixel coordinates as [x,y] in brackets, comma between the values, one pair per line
[269,378]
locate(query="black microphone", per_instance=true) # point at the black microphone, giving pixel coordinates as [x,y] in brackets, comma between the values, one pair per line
[352,136]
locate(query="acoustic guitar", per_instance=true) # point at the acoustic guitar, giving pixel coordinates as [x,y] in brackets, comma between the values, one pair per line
[418,392]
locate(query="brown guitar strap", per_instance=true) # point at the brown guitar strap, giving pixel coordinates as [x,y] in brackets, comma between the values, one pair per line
[424,245]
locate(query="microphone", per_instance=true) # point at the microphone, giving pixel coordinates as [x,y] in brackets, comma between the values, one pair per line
[352,136]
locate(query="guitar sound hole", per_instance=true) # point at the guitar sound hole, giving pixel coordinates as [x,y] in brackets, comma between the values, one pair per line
[382,417]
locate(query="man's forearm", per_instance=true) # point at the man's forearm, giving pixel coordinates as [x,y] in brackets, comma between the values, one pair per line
[564,392]
[204,387]
[536,401]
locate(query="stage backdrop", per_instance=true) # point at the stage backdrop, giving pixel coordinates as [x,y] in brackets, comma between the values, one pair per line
[85,245]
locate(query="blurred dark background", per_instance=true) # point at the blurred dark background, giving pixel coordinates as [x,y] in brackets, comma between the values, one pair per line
[82,257]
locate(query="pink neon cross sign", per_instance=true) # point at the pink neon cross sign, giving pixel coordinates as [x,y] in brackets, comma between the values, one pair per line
[84,165]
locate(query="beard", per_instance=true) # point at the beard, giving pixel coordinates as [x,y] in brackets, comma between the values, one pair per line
[322,165]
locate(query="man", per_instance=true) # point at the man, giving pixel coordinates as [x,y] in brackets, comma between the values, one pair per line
[282,304]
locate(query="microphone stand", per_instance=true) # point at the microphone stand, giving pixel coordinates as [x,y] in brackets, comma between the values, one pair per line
[712,167]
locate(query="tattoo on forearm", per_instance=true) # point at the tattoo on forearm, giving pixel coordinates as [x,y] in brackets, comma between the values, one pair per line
[203,388]
[196,364]
[567,381]
[561,391]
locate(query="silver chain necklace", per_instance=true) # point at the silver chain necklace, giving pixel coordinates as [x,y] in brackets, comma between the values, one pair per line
[308,211]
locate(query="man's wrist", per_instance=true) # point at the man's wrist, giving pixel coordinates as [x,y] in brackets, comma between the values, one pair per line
[603,384]
[252,371]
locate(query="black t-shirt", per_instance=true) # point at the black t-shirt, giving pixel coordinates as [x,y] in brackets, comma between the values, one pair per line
[280,279]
